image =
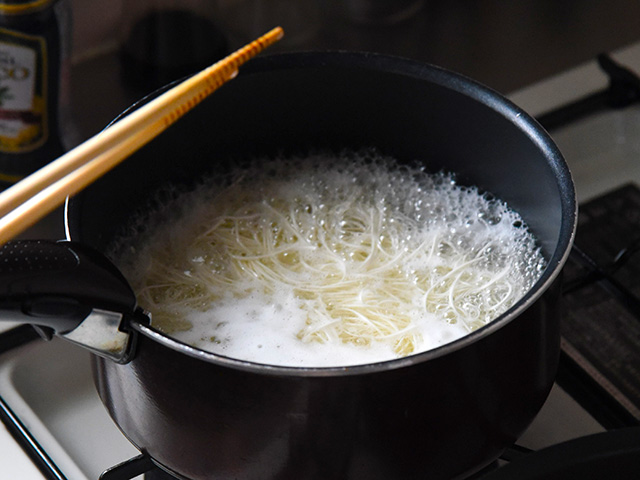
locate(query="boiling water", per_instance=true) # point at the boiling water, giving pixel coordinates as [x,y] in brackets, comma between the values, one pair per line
[329,262]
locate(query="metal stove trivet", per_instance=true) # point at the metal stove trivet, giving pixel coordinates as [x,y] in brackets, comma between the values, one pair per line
[601,321]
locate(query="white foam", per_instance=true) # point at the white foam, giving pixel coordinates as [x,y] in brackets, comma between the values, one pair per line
[264,329]
[331,262]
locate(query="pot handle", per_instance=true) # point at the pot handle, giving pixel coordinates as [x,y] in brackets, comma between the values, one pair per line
[69,290]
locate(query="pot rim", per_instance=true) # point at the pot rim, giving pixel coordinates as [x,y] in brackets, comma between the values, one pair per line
[446,79]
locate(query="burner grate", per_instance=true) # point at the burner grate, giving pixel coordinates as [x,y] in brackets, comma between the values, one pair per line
[601,322]
[132,468]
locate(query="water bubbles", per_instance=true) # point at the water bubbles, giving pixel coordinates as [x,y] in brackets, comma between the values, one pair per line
[450,317]
[489,217]
[445,249]
[370,252]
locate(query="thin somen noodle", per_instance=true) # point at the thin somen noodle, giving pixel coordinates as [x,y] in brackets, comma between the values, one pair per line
[330,260]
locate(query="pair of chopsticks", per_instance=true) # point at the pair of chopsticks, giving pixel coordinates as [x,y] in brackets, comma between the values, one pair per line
[26,202]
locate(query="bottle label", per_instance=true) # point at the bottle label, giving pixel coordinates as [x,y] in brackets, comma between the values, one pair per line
[23,102]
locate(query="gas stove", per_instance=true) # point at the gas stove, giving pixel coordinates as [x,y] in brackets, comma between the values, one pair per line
[55,427]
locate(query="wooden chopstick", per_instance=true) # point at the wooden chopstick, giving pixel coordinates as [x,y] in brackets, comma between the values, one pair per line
[26,202]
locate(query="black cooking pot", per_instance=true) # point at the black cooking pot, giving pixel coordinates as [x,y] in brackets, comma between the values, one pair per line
[445,413]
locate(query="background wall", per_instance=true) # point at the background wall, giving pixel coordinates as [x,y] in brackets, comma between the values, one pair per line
[505,44]
[96,24]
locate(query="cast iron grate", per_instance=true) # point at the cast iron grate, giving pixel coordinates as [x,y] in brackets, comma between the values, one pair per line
[601,321]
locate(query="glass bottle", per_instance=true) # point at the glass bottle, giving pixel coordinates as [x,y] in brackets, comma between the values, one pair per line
[34,52]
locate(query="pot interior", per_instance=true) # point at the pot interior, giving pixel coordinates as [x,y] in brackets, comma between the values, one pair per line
[293,103]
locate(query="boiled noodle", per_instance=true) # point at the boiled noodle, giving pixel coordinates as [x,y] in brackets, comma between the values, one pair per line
[326,261]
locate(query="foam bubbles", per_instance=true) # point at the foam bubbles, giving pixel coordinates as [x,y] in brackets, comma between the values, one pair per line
[330,261]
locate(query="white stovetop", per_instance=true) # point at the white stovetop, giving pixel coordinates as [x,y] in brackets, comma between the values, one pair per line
[602,151]
[48,385]
[60,407]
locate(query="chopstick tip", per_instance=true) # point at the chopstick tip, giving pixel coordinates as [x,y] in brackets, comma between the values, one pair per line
[278,32]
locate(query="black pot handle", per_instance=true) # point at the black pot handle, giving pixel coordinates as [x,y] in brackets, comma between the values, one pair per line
[70,290]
